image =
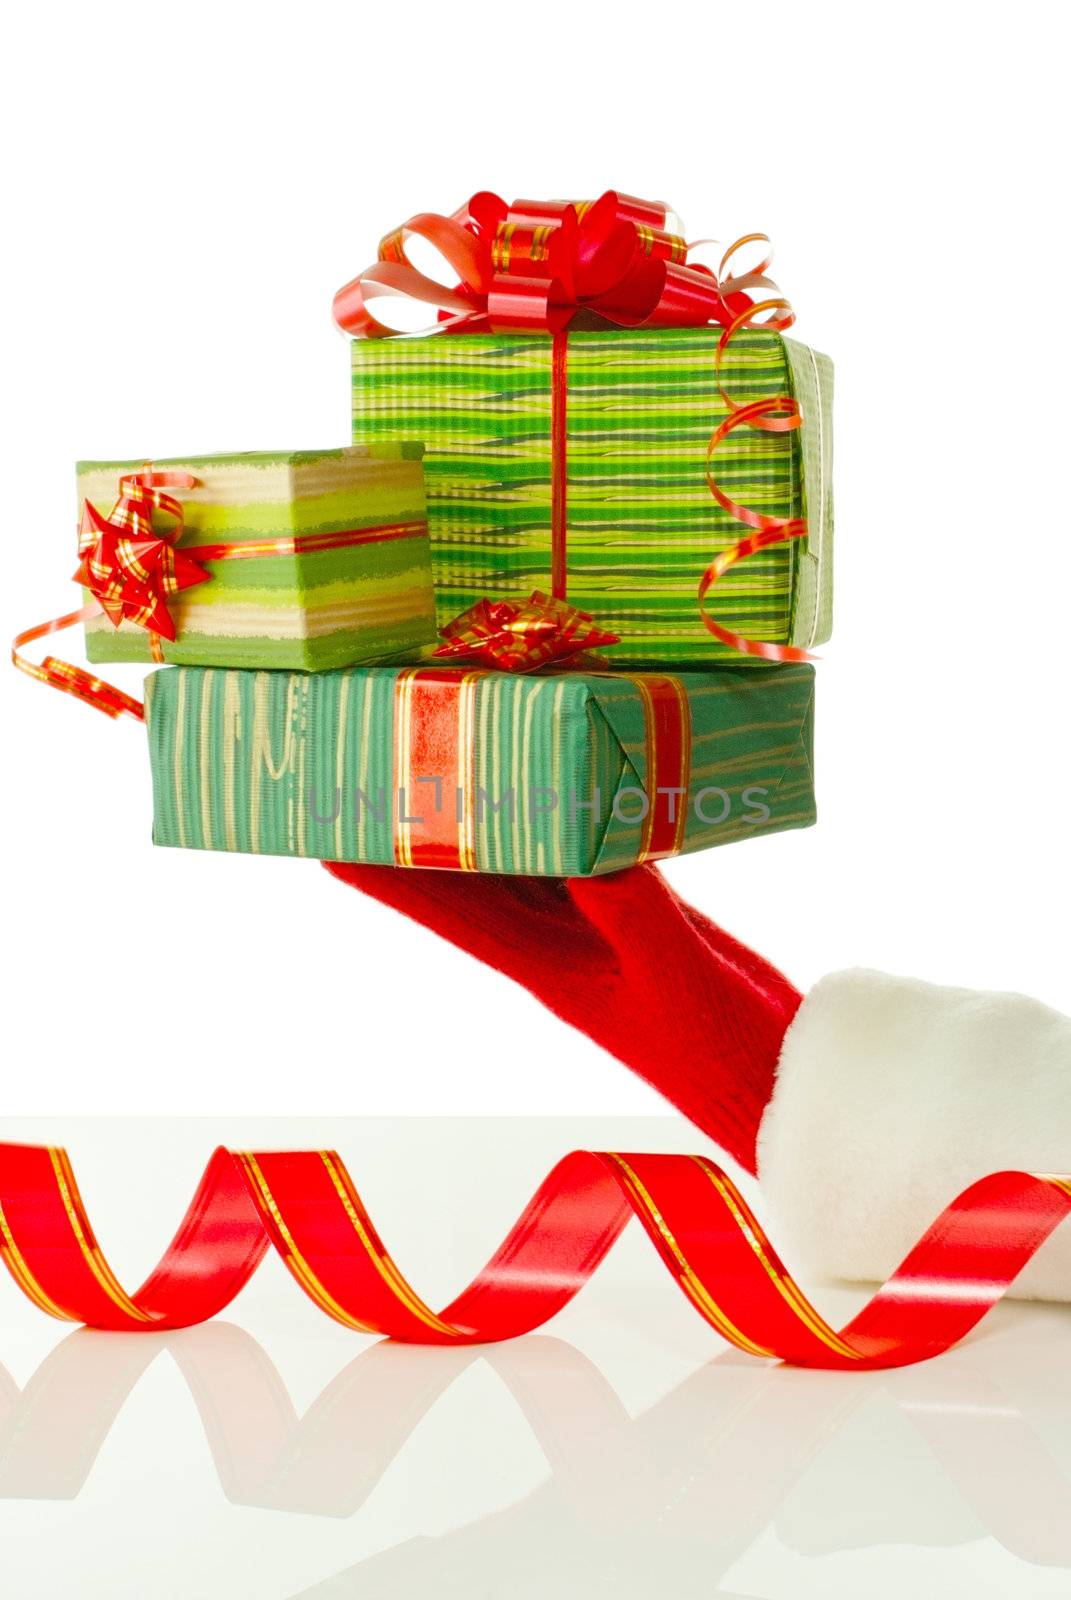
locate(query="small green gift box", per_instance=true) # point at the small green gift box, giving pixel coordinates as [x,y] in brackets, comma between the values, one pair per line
[563,774]
[313,558]
[577,465]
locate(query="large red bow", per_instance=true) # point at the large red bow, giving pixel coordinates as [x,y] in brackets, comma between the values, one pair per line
[127,564]
[518,636]
[545,265]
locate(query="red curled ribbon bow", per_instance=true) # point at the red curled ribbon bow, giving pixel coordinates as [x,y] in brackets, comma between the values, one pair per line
[128,565]
[540,265]
[518,636]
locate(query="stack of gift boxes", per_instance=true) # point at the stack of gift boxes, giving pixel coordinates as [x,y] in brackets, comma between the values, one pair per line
[474,639]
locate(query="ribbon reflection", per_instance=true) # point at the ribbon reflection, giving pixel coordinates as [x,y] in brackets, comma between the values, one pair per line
[686,1486]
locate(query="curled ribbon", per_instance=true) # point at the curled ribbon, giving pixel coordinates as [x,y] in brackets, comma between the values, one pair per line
[547,266]
[518,636]
[304,1203]
[778,413]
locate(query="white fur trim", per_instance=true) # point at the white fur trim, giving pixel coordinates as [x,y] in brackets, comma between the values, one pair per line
[891,1097]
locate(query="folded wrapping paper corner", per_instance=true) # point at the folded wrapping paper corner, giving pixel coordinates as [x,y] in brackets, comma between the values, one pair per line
[357,587]
[578,466]
[709,775]
[560,775]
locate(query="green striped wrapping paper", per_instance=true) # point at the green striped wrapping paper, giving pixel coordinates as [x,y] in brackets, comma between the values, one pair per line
[312,610]
[278,763]
[642,523]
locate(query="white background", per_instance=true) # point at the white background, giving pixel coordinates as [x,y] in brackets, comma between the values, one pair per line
[187,191]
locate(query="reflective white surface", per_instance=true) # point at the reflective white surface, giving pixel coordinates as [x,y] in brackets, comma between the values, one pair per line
[273,1455]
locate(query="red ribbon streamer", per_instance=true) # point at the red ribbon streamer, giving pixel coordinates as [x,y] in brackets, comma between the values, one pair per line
[304,1203]
[436,744]
[68,678]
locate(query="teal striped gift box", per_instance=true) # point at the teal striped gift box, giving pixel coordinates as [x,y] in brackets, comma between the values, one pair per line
[639,524]
[562,774]
[337,605]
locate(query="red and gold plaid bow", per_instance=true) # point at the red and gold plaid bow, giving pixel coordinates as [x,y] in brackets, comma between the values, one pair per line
[128,565]
[518,636]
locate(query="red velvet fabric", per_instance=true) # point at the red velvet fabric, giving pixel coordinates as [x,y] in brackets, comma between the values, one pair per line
[623,959]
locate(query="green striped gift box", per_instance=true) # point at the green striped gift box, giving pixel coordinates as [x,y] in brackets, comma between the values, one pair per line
[641,522]
[564,774]
[315,609]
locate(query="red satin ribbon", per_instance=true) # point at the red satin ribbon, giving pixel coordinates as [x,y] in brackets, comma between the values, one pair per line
[68,678]
[540,266]
[559,467]
[304,1203]
[437,803]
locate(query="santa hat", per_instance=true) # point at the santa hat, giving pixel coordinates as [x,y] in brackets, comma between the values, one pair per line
[864,1107]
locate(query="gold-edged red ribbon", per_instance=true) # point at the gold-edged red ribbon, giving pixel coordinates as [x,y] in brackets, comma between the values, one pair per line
[540,266]
[305,1205]
[437,801]
[778,413]
[548,266]
[68,678]
[132,568]
[521,635]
